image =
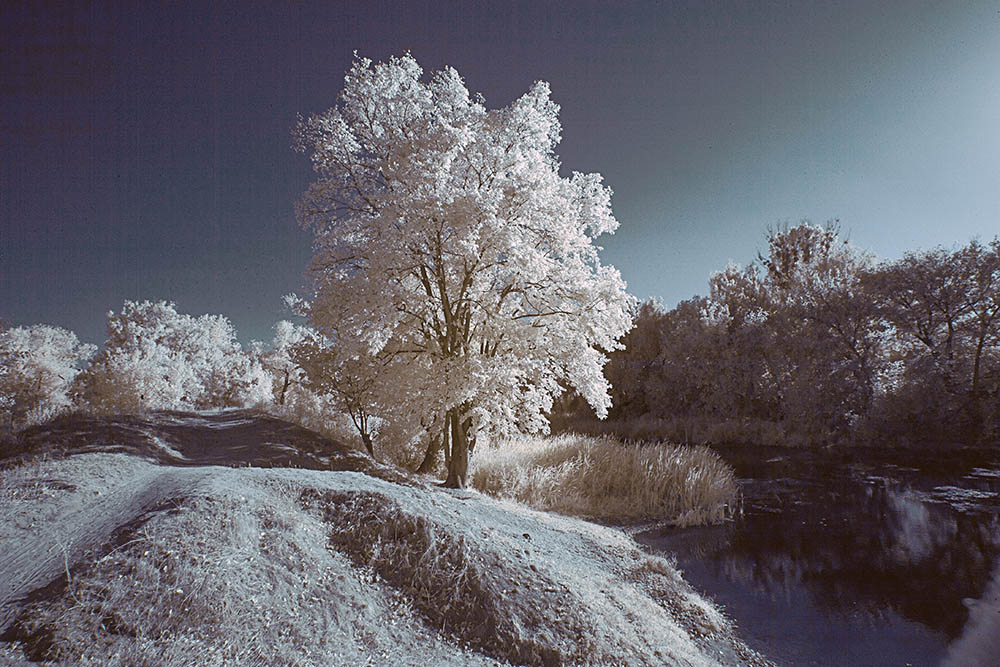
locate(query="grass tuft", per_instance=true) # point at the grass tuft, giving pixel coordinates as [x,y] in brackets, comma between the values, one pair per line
[602,478]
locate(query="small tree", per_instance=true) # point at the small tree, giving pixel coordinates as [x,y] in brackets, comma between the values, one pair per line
[37,367]
[287,375]
[448,245]
[352,384]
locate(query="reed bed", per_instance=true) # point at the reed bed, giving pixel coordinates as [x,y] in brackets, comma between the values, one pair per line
[605,479]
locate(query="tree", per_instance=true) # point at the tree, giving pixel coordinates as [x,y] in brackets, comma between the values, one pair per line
[945,305]
[630,368]
[157,358]
[981,267]
[37,367]
[798,340]
[287,374]
[833,331]
[352,384]
[447,244]
[747,366]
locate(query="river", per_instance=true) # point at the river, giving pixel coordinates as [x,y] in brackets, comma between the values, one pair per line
[856,557]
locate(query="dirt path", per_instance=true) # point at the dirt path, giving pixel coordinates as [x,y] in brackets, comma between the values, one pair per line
[42,558]
[180,450]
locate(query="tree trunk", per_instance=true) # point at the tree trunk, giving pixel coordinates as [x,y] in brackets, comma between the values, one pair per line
[458,466]
[446,441]
[284,387]
[470,436]
[430,462]
[367,439]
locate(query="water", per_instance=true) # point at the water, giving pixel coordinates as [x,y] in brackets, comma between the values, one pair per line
[856,558]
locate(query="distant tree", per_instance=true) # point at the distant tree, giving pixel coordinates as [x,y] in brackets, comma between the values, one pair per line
[747,365]
[37,367]
[924,296]
[157,358]
[833,333]
[945,307]
[789,338]
[447,243]
[981,266]
[629,369]
[288,375]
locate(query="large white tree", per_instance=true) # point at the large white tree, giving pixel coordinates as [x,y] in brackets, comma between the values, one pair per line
[449,247]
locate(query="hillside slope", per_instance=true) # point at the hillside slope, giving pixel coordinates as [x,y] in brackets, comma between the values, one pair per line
[168,539]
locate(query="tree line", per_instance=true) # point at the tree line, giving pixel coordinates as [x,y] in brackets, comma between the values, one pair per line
[456,291]
[823,344]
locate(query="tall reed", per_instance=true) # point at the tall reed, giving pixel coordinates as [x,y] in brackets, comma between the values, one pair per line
[603,478]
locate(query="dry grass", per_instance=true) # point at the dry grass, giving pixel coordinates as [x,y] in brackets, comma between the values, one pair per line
[265,567]
[304,567]
[602,478]
[173,592]
[515,596]
[687,430]
[240,577]
[454,583]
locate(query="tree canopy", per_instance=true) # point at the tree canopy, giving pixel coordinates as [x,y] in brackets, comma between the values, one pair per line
[157,358]
[449,251]
[821,342]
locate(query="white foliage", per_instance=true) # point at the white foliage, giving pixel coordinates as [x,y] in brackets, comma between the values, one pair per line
[37,367]
[157,358]
[287,376]
[448,245]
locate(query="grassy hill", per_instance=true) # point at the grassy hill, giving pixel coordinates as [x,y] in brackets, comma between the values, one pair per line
[236,538]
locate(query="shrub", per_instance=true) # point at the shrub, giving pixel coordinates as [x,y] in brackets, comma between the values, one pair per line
[156,358]
[37,366]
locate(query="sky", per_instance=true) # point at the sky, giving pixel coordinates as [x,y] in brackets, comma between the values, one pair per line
[146,147]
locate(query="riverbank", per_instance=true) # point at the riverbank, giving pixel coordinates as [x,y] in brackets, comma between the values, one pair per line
[733,432]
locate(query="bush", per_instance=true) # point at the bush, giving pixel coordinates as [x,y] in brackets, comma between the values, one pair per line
[37,367]
[158,359]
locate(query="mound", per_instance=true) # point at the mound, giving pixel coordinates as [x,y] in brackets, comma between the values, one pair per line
[208,564]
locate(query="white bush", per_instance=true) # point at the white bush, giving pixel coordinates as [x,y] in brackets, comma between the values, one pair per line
[157,358]
[37,367]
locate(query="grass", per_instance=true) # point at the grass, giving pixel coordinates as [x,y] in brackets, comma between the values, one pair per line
[602,478]
[163,593]
[451,581]
[298,567]
[240,577]
[263,566]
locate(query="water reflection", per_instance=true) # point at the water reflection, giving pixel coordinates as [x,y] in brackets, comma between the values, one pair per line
[878,560]
[979,643]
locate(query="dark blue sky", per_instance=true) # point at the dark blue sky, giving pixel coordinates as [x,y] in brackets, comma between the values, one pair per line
[146,149]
